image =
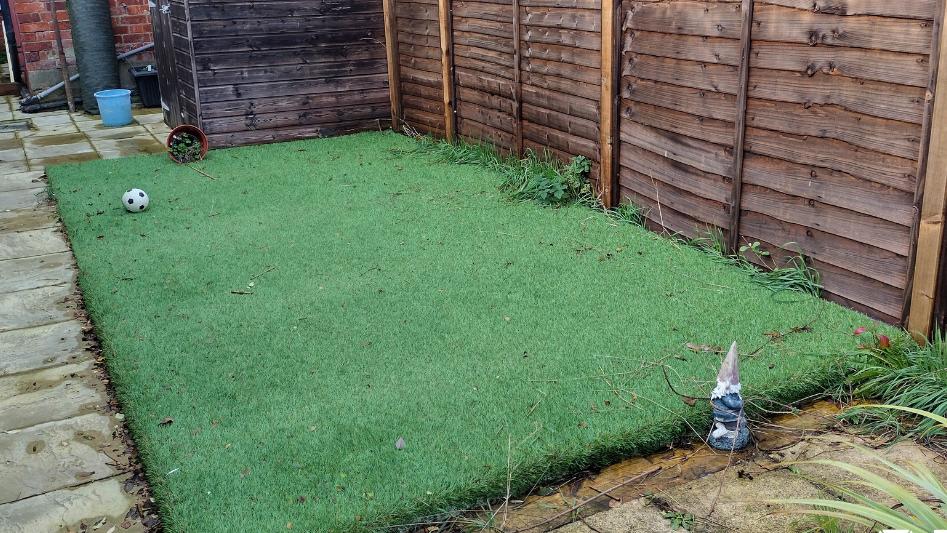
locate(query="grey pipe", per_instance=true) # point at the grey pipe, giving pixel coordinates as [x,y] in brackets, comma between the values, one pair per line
[39,96]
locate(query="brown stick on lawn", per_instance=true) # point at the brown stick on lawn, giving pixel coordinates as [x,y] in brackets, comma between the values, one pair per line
[63,66]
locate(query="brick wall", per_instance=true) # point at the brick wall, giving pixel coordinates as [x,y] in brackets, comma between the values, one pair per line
[131,23]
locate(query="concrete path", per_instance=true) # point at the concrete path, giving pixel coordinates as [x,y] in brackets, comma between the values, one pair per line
[65,459]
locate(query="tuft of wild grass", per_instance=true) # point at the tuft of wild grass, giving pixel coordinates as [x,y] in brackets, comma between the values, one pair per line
[796,275]
[901,372]
[538,178]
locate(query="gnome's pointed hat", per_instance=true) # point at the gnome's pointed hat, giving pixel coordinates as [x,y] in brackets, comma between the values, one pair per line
[728,379]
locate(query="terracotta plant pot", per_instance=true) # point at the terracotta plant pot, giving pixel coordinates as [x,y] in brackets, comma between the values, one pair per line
[191,130]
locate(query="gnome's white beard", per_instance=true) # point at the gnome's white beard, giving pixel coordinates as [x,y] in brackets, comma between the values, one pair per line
[721,431]
[724,388]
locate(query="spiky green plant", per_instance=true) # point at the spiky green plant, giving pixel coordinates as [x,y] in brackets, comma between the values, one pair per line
[913,513]
[901,372]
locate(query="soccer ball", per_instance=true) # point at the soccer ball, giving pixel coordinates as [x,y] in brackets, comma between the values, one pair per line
[135,200]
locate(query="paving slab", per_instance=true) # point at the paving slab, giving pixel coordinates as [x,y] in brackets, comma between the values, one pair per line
[50,145]
[21,180]
[75,509]
[14,167]
[52,119]
[40,217]
[98,131]
[76,157]
[21,199]
[150,118]
[15,245]
[9,141]
[59,129]
[12,154]
[29,349]
[37,271]
[49,395]
[136,146]
[55,455]
[36,307]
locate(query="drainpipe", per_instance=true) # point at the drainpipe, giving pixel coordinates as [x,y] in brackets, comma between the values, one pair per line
[13,50]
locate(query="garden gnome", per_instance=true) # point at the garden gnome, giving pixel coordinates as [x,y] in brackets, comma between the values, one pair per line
[729,431]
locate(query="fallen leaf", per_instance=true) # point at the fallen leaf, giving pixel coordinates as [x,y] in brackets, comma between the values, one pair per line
[100,523]
[289,525]
[506,318]
[699,348]
[119,416]
[614,503]
[83,475]
[195,432]
[400,443]
[340,488]
[245,472]
[166,421]
[690,401]
[301,499]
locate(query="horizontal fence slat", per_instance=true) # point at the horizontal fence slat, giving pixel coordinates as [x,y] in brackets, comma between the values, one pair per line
[715,131]
[686,47]
[776,23]
[877,65]
[900,139]
[885,100]
[830,187]
[855,226]
[718,78]
[697,153]
[915,9]
[705,19]
[872,166]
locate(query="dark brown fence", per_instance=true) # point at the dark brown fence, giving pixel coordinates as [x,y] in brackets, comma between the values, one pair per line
[801,124]
[257,72]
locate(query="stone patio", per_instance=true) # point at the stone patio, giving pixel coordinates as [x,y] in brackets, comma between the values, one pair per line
[65,460]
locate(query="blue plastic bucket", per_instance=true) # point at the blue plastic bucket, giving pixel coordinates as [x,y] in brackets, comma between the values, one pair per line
[115,105]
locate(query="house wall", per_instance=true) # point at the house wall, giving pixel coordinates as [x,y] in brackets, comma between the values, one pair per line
[39,58]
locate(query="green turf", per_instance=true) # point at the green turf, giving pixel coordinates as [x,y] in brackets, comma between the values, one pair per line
[394,296]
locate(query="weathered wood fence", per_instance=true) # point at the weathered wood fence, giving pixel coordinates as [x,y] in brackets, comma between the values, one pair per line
[801,124]
[251,72]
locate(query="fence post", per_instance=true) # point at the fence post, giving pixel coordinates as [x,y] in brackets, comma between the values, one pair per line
[608,128]
[394,62]
[444,16]
[930,234]
[517,83]
[922,160]
[736,176]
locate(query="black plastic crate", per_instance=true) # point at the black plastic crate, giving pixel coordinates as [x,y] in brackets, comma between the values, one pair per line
[146,78]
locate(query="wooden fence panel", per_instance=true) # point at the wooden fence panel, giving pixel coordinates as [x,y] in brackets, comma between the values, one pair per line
[678,111]
[558,76]
[275,71]
[422,86]
[832,131]
[822,110]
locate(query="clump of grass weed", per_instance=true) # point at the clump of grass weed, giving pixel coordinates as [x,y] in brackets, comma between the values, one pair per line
[534,177]
[900,372]
[797,275]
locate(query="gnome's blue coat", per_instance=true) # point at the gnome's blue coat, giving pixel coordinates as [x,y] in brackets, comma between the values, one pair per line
[728,409]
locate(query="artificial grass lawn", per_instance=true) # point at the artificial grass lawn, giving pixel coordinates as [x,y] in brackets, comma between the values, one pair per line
[394,296]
